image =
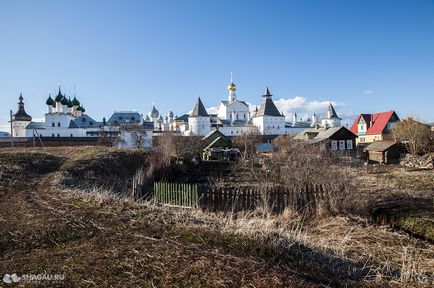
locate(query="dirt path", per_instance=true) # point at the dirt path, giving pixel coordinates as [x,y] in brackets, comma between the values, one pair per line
[45,230]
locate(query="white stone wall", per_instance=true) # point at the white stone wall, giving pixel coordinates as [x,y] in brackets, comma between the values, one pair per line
[199,125]
[19,128]
[270,125]
[333,122]
[237,130]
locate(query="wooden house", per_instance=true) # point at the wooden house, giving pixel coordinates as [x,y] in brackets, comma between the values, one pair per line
[218,147]
[374,127]
[384,152]
[333,138]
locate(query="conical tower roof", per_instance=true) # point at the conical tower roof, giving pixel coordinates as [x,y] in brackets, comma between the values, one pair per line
[331,113]
[267,106]
[199,110]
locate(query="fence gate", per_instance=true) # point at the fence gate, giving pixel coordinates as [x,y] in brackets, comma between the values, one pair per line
[176,194]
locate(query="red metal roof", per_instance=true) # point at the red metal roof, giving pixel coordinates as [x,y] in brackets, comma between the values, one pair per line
[376,122]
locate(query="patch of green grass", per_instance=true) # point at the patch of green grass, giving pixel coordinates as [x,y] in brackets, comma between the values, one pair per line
[419,226]
[81,202]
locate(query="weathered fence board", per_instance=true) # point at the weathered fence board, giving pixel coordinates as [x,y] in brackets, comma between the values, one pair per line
[236,198]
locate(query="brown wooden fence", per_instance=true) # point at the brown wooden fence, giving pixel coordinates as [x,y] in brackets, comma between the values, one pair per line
[274,198]
[237,198]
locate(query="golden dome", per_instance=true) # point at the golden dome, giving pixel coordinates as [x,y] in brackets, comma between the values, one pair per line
[232,87]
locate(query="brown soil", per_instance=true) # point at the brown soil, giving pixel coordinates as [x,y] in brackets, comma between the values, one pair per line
[45,229]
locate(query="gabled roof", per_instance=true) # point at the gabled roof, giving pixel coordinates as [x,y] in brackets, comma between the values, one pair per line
[36,125]
[321,134]
[199,110]
[380,146]
[376,123]
[123,117]
[84,121]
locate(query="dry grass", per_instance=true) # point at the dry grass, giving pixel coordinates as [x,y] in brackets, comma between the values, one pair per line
[99,238]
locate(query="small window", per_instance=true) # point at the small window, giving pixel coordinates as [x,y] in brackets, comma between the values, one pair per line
[58,135]
[71,135]
[90,123]
[52,135]
[132,119]
[334,145]
[58,124]
[53,124]
[342,145]
[350,144]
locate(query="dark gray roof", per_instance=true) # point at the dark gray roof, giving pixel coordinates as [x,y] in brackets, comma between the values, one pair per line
[4,134]
[36,125]
[183,117]
[268,108]
[380,146]
[237,123]
[320,133]
[21,114]
[124,117]
[199,110]
[84,121]
[333,112]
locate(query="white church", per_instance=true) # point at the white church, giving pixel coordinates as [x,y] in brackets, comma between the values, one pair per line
[66,117]
[234,117]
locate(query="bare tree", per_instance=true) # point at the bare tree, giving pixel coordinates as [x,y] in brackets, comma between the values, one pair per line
[178,148]
[247,143]
[415,135]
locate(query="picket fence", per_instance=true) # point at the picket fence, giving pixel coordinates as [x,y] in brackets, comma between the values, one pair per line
[236,198]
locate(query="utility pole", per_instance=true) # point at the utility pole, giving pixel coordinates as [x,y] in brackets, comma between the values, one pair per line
[12,132]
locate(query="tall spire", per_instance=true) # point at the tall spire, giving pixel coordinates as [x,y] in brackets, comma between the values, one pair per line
[267,93]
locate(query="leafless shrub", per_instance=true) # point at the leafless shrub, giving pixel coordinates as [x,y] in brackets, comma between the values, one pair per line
[415,135]
[178,148]
[247,143]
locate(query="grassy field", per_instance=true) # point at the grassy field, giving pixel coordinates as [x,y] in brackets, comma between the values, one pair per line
[62,211]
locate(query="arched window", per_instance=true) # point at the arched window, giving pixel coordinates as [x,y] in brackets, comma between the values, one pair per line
[53,124]
[58,135]
[58,124]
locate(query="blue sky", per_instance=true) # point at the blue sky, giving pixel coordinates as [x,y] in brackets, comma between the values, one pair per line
[365,56]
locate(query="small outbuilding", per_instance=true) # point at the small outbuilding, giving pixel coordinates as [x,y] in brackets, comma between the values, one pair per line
[384,152]
[218,148]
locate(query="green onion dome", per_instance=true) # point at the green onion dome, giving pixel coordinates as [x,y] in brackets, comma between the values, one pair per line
[50,100]
[64,101]
[75,102]
[59,96]
[70,103]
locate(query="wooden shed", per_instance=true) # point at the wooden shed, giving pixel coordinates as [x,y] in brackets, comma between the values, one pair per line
[384,152]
